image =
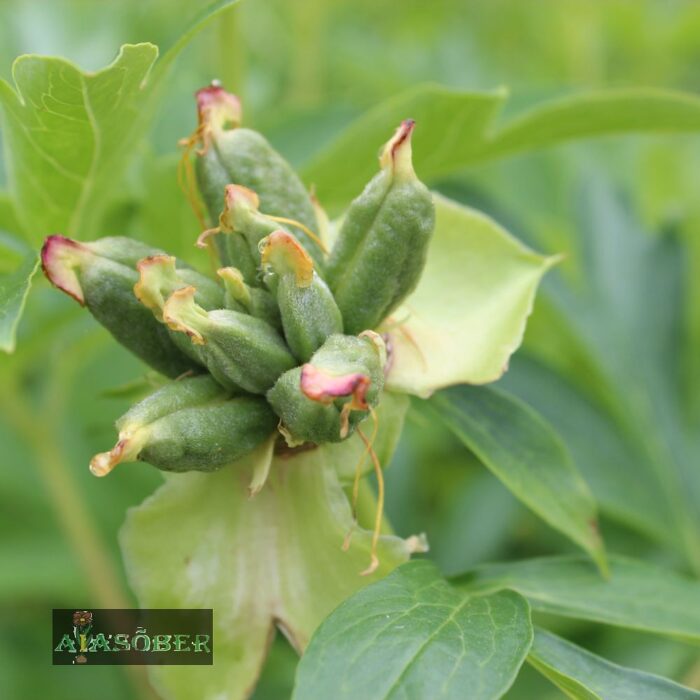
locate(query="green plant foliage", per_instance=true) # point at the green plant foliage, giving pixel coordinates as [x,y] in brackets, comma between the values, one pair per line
[13,295]
[412,635]
[638,412]
[69,134]
[635,595]
[279,555]
[585,676]
[460,130]
[524,452]
[567,220]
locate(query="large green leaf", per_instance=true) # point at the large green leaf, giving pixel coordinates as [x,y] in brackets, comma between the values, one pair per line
[68,134]
[585,676]
[455,129]
[627,329]
[468,314]
[523,451]
[635,595]
[13,295]
[274,559]
[614,465]
[414,636]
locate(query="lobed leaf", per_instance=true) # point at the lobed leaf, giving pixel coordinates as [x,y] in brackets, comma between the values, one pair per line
[275,559]
[68,134]
[413,635]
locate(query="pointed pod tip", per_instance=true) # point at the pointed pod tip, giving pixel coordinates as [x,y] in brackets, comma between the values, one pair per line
[397,153]
[157,275]
[283,253]
[378,343]
[233,194]
[239,203]
[181,313]
[59,258]
[104,462]
[235,284]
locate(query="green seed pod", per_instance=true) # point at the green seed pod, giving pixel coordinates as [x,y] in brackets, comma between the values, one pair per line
[106,288]
[309,312]
[123,250]
[241,226]
[382,245]
[201,437]
[185,392]
[229,154]
[249,300]
[239,350]
[326,399]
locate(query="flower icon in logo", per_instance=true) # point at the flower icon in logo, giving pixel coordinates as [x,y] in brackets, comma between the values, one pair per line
[82,624]
[82,618]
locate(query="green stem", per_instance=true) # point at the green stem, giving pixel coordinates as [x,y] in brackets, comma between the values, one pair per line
[308,23]
[40,431]
[231,53]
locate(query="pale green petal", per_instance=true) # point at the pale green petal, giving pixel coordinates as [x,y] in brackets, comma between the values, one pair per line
[468,314]
[200,542]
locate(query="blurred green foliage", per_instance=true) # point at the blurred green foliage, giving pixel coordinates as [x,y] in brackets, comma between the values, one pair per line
[305,69]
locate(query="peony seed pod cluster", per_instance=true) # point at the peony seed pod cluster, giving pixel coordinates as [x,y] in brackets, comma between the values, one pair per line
[284,338]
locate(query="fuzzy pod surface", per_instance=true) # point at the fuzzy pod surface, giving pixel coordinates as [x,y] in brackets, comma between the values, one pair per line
[231,154]
[200,436]
[382,245]
[255,301]
[105,287]
[205,438]
[186,392]
[239,350]
[325,399]
[307,307]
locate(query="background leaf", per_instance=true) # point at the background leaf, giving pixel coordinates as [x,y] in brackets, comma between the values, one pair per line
[455,129]
[68,134]
[585,676]
[412,635]
[13,295]
[636,595]
[522,450]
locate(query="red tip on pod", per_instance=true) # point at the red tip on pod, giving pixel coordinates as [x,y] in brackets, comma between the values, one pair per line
[218,108]
[59,258]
